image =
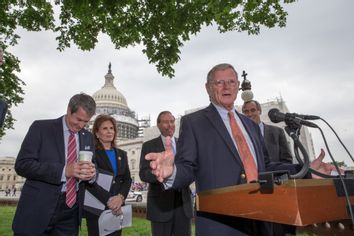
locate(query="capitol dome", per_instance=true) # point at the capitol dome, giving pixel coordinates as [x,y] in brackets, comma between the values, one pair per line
[110,101]
[108,95]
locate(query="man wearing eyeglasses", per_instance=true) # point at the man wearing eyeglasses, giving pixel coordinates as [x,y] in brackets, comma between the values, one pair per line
[274,137]
[219,147]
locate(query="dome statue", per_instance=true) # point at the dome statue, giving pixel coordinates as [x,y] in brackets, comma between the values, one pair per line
[108,95]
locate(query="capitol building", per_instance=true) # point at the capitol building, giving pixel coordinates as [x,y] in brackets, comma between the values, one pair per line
[110,101]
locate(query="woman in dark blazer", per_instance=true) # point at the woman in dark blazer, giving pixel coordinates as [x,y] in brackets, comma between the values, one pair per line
[111,160]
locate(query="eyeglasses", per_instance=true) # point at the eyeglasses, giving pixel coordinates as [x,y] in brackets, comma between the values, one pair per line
[246,111]
[222,83]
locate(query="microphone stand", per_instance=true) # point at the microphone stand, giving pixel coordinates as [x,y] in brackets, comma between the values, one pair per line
[292,128]
[268,179]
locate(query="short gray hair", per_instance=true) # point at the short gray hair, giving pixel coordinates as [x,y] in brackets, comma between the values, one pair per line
[163,113]
[258,105]
[84,101]
[222,66]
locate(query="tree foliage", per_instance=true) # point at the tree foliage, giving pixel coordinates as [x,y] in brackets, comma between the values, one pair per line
[161,26]
[340,164]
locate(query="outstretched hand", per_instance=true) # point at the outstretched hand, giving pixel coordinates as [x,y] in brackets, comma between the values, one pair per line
[322,167]
[162,163]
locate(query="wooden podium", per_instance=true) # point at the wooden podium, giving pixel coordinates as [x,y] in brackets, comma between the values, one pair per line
[295,202]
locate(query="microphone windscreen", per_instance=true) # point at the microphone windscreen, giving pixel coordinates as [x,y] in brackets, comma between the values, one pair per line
[275,115]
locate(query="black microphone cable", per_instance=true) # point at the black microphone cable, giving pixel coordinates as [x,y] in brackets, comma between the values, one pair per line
[346,194]
[338,138]
[298,145]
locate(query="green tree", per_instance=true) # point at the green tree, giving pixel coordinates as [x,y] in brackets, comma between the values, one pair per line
[161,26]
[340,164]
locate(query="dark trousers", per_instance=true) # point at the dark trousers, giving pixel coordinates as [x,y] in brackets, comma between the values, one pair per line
[179,225]
[65,220]
[221,225]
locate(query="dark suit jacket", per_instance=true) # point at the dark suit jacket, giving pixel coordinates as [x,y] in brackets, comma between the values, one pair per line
[207,155]
[120,183]
[277,146]
[41,161]
[160,202]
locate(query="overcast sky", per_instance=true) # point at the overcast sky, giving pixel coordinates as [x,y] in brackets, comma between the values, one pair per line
[309,63]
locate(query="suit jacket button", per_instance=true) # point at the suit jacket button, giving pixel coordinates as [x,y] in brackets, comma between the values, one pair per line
[113,182]
[243,176]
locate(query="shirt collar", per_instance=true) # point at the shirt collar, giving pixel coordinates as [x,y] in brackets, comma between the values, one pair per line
[261,126]
[222,110]
[164,139]
[65,126]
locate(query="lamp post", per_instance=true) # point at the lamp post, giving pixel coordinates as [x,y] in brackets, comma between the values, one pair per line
[246,94]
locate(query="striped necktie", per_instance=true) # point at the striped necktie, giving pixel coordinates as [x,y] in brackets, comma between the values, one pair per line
[71,182]
[244,151]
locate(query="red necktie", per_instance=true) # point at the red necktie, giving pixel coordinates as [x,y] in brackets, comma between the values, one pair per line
[71,182]
[248,161]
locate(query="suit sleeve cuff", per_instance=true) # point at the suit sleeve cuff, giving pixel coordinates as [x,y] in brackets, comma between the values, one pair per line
[63,178]
[170,180]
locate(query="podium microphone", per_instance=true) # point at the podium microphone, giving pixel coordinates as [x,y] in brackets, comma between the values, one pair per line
[276,116]
[304,117]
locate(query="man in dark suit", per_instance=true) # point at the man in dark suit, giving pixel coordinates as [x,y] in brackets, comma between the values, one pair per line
[46,206]
[208,154]
[274,137]
[170,211]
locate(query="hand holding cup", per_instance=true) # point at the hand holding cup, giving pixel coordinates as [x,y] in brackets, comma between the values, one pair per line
[87,168]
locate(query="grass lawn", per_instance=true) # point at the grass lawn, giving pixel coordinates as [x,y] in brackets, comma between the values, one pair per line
[140,227]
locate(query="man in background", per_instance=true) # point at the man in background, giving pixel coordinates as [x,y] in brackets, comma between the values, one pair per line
[274,137]
[52,197]
[170,211]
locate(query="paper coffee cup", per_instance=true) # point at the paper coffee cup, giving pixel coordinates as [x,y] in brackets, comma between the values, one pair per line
[85,156]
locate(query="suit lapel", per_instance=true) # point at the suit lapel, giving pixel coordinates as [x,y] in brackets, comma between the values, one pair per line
[267,131]
[268,134]
[159,144]
[119,160]
[216,121]
[252,137]
[103,158]
[84,142]
[59,138]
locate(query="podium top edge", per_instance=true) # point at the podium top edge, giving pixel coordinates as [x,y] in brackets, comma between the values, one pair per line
[255,186]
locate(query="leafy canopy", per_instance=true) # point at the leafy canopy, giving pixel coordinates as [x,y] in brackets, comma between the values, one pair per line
[161,26]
